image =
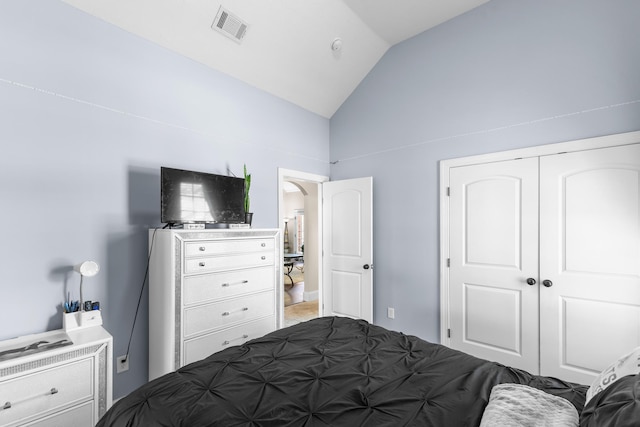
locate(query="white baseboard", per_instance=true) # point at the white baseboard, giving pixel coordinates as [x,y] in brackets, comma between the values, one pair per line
[310,296]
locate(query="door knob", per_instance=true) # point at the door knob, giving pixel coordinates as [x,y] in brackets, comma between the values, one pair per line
[531,281]
[547,283]
[366,266]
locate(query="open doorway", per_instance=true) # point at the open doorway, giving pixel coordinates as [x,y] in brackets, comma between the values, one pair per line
[299,213]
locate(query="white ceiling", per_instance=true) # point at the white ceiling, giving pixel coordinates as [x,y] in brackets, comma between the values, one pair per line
[287,48]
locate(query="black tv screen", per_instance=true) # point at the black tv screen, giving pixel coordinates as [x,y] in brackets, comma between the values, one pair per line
[197,197]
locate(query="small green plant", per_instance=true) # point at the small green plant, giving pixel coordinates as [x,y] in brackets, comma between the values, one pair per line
[247,186]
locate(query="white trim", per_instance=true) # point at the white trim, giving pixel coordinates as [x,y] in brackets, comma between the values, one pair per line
[311,296]
[541,150]
[548,149]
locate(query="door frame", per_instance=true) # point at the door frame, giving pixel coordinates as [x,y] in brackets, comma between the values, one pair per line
[541,150]
[293,175]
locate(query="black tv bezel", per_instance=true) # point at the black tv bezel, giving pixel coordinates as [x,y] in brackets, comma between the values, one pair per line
[174,222]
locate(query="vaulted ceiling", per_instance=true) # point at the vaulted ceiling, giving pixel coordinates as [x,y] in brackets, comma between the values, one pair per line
[288,48]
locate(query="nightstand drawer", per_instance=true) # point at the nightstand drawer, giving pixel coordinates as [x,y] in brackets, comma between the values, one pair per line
[208,317]
[228,262]
[215,286]
[222,247]
[46,391]
[201,347]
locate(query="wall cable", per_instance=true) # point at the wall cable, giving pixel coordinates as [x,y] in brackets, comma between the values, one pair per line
[144,281]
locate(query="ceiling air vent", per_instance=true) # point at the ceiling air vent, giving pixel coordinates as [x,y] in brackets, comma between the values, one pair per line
[230,25]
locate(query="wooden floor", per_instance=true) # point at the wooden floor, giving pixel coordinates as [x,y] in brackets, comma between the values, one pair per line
[297,310]
[301,312]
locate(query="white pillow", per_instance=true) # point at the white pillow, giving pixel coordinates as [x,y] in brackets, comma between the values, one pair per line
[629,364]
[520,405]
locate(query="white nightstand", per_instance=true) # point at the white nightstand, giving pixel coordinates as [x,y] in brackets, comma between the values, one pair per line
[67,385]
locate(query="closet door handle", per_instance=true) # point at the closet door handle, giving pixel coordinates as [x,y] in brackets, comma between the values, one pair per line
[547,283]
[531,281]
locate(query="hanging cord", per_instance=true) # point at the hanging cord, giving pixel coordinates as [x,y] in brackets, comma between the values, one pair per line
[146,275]
[81,299]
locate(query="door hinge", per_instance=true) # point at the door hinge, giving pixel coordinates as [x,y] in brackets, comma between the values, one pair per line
[448,333]
[448,191]
[448,262]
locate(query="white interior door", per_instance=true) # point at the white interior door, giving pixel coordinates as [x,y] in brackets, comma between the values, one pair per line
[347,288]
[590,254]
[493,252]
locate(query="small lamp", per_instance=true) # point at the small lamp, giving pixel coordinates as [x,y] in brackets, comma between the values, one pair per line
[82,318]
[86,269]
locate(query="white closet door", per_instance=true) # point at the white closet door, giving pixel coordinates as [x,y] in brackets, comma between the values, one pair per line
[493,251]
[590,253]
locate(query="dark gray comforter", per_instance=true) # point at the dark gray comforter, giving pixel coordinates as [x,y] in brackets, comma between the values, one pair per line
[328,372]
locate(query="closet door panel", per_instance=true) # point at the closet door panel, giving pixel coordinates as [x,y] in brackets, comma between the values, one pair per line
[604,202]
[590,252]
[493,250]
[583,327]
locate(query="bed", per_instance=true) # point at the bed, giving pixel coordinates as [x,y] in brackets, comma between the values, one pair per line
[335,371]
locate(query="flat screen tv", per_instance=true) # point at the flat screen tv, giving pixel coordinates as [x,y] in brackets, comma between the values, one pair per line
[196,197]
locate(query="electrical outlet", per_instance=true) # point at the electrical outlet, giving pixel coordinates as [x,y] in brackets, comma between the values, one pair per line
[122,364]
[391,313]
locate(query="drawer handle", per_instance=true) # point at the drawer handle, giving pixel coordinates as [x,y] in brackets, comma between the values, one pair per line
[202,249]
[201,264]
[244,337]
[9,405]
[242,282]
[263,244]
[227,313]
[263,257]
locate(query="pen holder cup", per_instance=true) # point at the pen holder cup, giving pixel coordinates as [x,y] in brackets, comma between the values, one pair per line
[81,319]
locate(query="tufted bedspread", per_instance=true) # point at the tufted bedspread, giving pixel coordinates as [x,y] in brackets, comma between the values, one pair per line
[330,371]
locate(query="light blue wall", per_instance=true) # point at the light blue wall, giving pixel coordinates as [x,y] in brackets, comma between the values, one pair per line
[88,114]
[507,75]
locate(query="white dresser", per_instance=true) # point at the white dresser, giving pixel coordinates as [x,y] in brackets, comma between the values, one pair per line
[66,385]
[209,290]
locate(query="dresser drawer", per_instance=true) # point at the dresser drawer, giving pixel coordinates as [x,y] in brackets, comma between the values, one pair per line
[34,394]
[215,286]
[208,317]
[201,347]
[78,416]
[228,262]
[222,247]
